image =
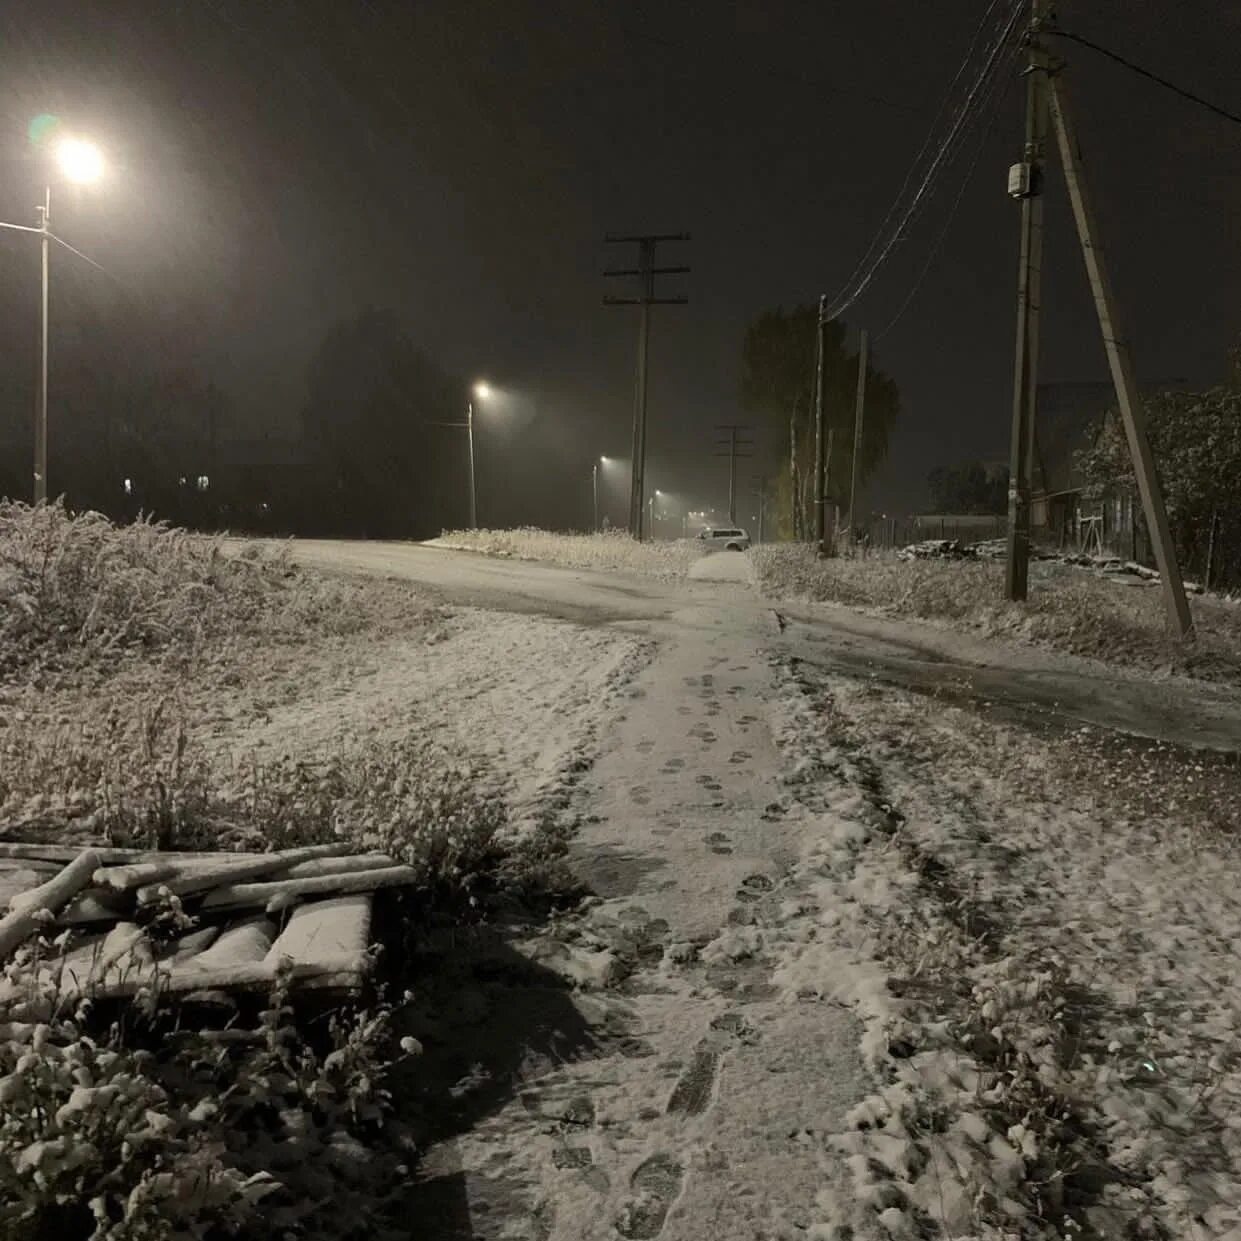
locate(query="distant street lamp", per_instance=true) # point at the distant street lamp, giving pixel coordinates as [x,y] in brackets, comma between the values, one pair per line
[482,392]
[81,162]
[650,523]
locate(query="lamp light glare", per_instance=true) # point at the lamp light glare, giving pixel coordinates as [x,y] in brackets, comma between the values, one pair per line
[80,161]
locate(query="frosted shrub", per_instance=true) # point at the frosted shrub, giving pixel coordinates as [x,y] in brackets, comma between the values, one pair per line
[249,1134]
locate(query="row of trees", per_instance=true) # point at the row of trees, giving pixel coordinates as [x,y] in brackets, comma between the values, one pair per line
[365,457]
[777,383]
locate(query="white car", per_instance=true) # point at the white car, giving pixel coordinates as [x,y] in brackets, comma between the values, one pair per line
[731,538]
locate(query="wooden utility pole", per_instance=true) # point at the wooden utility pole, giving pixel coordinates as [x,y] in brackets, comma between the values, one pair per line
[859,418]
[820,429]
[1132,412]
[646,271]
[1025,181]
[735,449]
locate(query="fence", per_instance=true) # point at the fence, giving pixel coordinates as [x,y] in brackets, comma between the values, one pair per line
[887,532]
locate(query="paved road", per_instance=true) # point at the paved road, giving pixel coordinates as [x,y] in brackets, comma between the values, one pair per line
[1043,688]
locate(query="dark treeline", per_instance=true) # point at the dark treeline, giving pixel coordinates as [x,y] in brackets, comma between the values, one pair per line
[364,455]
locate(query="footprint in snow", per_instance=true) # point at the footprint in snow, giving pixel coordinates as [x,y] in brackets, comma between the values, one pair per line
[754,886]
[673,764]
[740,756]
[645,747]
[640,795]
[656,1183]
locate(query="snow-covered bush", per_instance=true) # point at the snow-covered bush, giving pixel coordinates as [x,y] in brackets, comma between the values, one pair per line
[252,1133]
[613,550]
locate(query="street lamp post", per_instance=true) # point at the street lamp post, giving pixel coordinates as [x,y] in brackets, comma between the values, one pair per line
[594,488]
[469,431]
[81,162]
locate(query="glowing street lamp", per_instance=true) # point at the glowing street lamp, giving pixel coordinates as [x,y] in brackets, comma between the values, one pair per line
[81,162]
[482,392]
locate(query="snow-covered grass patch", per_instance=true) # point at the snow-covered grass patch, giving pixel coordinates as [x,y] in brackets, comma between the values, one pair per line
[613,550]
[157,692]
[1078,612]
[1043,959]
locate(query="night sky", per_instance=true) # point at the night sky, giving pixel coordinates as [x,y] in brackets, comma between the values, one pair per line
[281,165]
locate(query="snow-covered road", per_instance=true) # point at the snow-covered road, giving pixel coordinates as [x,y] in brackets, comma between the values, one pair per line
[843,973]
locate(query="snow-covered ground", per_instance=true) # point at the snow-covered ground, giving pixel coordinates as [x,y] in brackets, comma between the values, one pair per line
[875,950]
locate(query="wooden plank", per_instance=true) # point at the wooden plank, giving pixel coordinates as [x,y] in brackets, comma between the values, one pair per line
[63,853]
[236,945]
[189,946]
[279,893]
[326,933]
[92,905]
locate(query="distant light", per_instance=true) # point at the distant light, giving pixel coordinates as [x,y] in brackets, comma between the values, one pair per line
[129,486]
[203,482]
[604,460]
[482,390]
[79,161]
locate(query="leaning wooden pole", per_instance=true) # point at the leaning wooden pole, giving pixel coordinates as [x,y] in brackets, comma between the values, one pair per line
[1120,363]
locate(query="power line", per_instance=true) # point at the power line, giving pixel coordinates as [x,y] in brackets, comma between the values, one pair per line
[856,286]
[1146,73]
[938,243]
[926,142]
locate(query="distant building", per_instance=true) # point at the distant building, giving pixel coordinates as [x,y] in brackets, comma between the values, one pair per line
[1068,418]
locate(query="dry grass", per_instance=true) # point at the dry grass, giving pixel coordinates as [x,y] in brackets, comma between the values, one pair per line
[81,597]
[616,551]
[1068,610]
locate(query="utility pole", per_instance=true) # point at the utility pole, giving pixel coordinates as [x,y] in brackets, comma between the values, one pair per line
[646,271]
[736,449]
[1025,181]
[594,488]
[761,492]
[1132,413]
[820,430]
[40,416]
[859,419]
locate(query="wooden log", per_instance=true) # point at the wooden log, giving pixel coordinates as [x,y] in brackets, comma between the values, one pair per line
[199,879]
[49,898]
[122,878]
[336,866]
[326,933]
[279,893]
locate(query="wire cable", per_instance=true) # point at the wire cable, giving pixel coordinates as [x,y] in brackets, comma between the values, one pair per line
[1146,73]
[938,243]
[854,289]
[926,143]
